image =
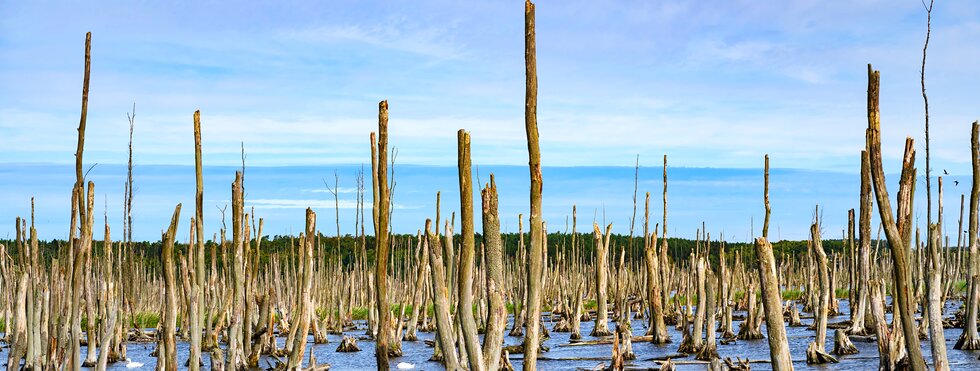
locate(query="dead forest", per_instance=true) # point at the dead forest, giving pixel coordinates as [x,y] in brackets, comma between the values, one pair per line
[485,300]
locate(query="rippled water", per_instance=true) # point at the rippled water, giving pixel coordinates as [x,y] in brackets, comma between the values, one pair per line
[417,353]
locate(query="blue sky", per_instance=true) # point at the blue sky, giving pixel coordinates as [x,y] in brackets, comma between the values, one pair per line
[710,83]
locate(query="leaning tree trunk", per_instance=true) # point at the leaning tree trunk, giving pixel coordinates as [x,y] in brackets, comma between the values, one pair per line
[440,298]
[895,230]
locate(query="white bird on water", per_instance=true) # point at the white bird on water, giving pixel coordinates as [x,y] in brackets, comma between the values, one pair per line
[405,366]
[131,364]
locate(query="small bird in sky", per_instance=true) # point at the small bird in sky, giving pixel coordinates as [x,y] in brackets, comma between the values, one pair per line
[956,183]
[945,172]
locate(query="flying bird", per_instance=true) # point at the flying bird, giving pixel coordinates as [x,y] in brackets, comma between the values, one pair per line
[945,172]
[956,183]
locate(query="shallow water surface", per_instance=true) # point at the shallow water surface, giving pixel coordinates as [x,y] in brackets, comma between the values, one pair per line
[560,357]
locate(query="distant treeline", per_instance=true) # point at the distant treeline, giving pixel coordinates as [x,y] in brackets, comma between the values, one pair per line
[404,245]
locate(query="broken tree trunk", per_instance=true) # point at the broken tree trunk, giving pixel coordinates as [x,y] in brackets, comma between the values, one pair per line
[658,328]
[440,299]
[497,320]
[866,201]
[816,351]
[778,342]
[843,344]
[464,311]
[168,353]
[301,323]
[601,327]
[896,231]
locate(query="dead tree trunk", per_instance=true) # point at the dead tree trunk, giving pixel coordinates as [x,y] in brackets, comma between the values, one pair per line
[895,230]
[535,252]
[778,342]
[440,298]
[466,255]
[816,351]
[301,323]
[861,320]
[601,327]
[935,304]
[196,255]
[380,180]
[709,350]
[81,246]
[236,351]
[658,328]
[497,321]
[970,339]
[168,352]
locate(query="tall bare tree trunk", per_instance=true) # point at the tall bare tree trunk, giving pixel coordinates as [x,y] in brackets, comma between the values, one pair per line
[778,343]
[466,256]
[382,207]
[196,255]
[535,252]
[239,224]
[895,230]
[970,339]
